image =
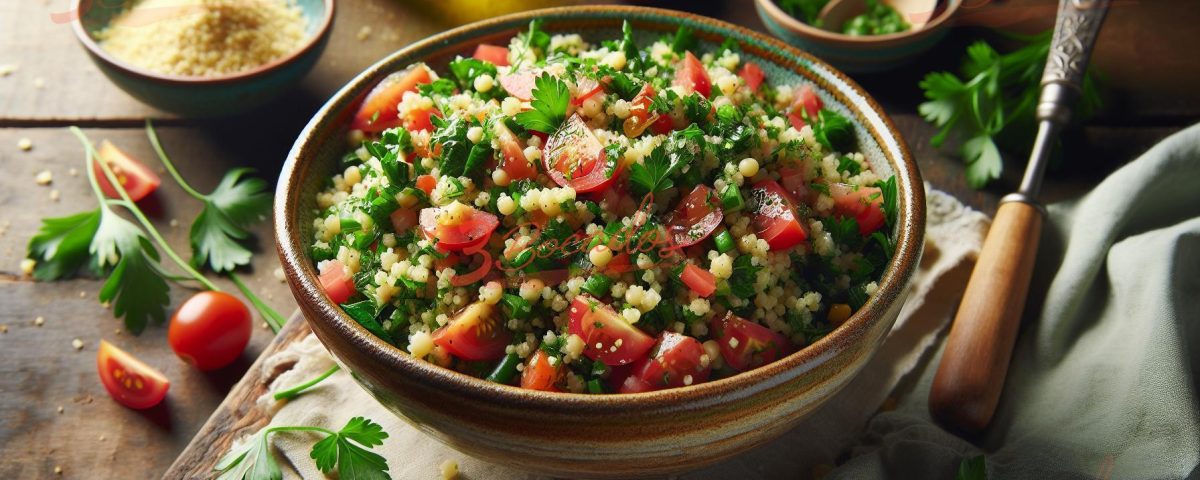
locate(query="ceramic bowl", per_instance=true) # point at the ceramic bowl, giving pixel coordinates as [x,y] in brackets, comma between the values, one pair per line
[204,96]
[866,54]
[616,436]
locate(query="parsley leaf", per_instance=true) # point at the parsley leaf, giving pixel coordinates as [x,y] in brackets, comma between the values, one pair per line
[136,289]
[983,160]
[806,11]
[654,174]
[218,232]
[745,275]
[550,100]
[834,131]
[465,70]
[633,55]
[61,246]
[250,460]
[456,148]
[346,451]
[684,40]
[889,191]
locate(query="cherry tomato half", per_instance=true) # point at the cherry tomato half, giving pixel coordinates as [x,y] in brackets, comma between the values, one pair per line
[675,361]
[774,216]
[695,218]
[746,345]
[210,330]
[574,157]
[139,181]
[606,335]
[379,109]
[865,204]
[475,333]
[469,228]
[337,283]
[514,162]
[129,381]
[539,374]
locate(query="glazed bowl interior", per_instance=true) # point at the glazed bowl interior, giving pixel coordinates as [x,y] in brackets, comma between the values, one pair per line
[315,156]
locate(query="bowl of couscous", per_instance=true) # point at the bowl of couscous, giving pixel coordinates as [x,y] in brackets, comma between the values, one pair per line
[600,241]
[204,58]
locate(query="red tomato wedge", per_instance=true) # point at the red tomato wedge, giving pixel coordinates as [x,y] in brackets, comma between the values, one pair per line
[607,336]
[337,283]
[806,101]
[420,119]
[574,158]
[695,218]
[378,111]
[210,330]
[129,381]
[137,179]
[403,219]
[473,229]
[539,374]
[640,116]
[495,54]
[865,204]
[693,77]
[699,280]
[774,216]
[426,183]
[752,75]
[585,88]
[514,162]
[475,333]
[746,345]
[674,362]
[663,126]
[520,83]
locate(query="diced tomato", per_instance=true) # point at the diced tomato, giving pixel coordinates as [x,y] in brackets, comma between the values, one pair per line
[520,83]
[746,345]
[574,157]
[640,117]
[378,111]
[675,361]
[472,230]
[337,283]
[585,88]
[539,374]
[129,381]
[138,180]
[475,333]
[420,119]
[695,218]
[663,126]
[699,280]
[495,54]
[619,264]
[807,102]
[607,336]
[403,219]
[865,204]
[693,77]
[752,75]
[514,162]
[774,216]
[426,183]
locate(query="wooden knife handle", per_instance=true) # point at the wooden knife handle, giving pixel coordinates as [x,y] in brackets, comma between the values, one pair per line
[967,386]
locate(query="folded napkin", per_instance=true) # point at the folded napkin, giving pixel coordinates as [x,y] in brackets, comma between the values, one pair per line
[954,235]
[1104,376]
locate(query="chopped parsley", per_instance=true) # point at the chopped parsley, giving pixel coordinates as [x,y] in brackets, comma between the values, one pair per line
[551,97]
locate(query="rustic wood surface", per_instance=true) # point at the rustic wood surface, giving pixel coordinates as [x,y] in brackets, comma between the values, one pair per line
[55,85]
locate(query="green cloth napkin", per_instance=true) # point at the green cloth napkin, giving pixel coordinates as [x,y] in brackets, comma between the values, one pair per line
[1104,376]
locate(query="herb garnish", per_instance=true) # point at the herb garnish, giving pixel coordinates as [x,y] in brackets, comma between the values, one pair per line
[346,450]
[550,100]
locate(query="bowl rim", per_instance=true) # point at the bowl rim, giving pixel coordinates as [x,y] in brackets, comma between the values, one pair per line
[302,276]
[93,47]
[792,23]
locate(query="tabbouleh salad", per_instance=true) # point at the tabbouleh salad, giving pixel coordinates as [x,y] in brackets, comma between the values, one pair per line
[601,218]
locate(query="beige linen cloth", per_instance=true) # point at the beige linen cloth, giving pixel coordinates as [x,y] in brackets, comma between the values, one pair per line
[953,236]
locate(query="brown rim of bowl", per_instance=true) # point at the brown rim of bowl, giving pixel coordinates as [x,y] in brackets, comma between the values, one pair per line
[301,270]
[794,24]
[95,49]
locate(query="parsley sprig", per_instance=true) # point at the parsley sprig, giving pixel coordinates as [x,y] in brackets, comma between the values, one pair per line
[346,450]
[995,94]
[550,100]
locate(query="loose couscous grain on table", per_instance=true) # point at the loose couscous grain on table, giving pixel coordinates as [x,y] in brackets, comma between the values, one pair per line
[600,218]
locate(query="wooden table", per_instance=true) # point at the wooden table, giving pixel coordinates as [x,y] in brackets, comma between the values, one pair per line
[53,411]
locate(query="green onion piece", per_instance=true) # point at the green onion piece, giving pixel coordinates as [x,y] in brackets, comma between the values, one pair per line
[506,369]
[516,307]
[731,199]
[724,241]
[594,386]
[597,285]
[522,258]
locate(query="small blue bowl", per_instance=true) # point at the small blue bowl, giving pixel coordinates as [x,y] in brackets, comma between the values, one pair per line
[866,54]
[204,96]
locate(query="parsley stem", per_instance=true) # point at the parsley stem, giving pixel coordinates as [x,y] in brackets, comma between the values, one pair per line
[301,429]
[273,318]
[162,156]
[137,212]
[298,389]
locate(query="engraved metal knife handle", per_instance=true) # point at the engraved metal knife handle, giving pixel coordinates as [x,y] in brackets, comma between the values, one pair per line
[1075,31]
